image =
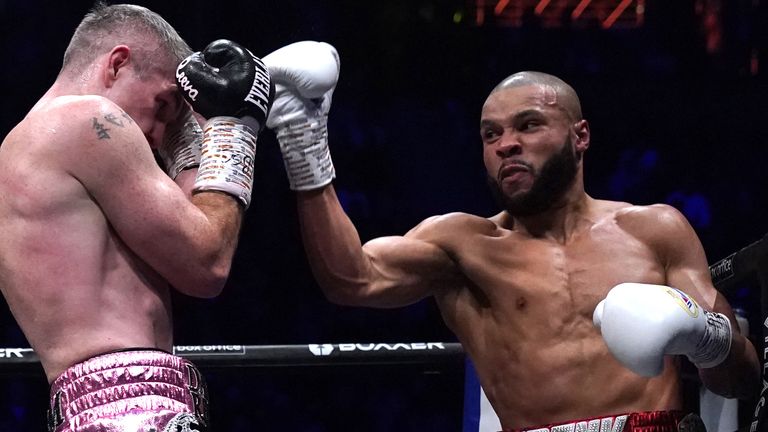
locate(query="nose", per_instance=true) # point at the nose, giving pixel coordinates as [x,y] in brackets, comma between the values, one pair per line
[508,145]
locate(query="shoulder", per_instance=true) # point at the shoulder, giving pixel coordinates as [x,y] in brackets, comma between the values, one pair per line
[74,107]
[650,216]
[90,137]
[656,224]
[451,226]
[82,120]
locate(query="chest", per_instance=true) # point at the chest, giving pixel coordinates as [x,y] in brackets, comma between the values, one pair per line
[524,274]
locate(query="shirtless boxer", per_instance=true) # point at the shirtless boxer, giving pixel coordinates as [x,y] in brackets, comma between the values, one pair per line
[95,233]
[519,288]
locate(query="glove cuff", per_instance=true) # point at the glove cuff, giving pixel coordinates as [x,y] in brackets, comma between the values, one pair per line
[227,161]
[181,149]
[715,345]
[306,156]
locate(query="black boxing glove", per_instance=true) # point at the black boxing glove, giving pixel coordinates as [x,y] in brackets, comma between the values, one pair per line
[232,88]
[226,79]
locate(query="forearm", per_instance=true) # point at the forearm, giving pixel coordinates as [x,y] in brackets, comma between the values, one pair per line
[216,243]
[739,375]
[332,244]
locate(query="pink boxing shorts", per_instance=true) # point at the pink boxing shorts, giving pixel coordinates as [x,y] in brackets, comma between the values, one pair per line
[649,421]
[136,390]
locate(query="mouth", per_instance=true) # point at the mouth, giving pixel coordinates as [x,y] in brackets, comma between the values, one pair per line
[513,169]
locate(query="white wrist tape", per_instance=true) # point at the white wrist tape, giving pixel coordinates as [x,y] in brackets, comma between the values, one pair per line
[226,165]
[181,150]
[714,346]
[307,159]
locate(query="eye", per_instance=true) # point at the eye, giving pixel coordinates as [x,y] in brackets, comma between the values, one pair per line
[529,124]
[488,135]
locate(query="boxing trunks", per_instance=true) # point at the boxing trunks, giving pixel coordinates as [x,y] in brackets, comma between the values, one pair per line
[136,390]
[650,421]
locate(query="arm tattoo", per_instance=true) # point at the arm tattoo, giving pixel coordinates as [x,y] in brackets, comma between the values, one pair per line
[116,119]
[101,131]
[119,119]
[113,119]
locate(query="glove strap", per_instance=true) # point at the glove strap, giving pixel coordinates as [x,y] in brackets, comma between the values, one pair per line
[307,159]
[182,148]
[226,165]
[714,346]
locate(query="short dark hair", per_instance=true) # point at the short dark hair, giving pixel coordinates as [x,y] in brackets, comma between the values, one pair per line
[153,42]
[568,100]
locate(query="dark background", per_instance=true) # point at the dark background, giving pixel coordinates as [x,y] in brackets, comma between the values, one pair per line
[673,120]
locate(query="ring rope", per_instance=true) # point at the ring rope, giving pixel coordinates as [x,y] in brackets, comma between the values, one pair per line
[25,361]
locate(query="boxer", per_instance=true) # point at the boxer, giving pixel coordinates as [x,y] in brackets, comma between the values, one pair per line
[96,234]
[520,289]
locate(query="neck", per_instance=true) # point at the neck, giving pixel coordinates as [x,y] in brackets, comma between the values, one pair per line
[67,85]
[82,82]
[561,221]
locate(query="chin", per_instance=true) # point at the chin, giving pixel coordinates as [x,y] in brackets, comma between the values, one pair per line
[514,193]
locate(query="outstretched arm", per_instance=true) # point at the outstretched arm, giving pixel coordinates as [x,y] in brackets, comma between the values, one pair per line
[385,272]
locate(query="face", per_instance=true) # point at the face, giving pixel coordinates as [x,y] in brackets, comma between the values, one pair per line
[528,149]
[550,183]
[152,101]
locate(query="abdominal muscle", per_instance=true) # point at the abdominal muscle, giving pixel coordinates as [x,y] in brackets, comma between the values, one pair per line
[533,376]
[557,383]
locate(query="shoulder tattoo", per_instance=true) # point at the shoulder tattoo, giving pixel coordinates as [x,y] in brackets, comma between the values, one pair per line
[119,119]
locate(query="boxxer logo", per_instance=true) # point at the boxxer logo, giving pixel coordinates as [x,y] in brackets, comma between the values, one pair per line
[392,347]
[321,350]
[183,80]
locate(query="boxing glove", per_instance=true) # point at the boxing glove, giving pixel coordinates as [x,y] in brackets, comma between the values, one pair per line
[641,323]
[232,88]
[305,75]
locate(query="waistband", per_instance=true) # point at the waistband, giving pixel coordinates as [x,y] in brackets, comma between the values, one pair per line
[126,381]
[648,421]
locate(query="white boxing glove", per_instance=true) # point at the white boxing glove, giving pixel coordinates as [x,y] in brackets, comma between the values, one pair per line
[641,323]
[305,75]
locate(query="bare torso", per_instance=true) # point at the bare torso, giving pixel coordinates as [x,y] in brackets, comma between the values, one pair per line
[523,312]
[73,286]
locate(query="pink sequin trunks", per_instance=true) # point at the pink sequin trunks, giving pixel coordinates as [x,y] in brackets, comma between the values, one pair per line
[649,421]
[136,391]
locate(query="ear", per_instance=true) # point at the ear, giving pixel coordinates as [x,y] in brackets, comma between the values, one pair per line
[581,128]
[117,59]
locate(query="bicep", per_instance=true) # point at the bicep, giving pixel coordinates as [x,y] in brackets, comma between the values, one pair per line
[405,270]
[685,260]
